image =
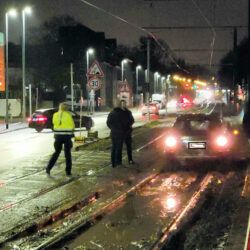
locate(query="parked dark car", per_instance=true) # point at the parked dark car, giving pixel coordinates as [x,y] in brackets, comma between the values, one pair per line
[42,119]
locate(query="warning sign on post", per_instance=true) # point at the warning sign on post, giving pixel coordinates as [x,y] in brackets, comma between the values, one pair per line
[95,70]
[2,64]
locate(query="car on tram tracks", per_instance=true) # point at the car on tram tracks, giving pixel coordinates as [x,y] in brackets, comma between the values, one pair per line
[201,138]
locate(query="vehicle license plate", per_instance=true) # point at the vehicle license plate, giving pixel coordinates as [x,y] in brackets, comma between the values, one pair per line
[198,145]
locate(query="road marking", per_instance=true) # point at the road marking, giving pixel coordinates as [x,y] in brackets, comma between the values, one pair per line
[247,240]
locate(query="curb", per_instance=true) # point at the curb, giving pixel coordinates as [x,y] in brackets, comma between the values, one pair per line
[11,129]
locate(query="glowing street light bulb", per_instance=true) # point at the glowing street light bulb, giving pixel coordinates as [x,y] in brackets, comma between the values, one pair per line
[90,51]
[12,12]
[27,10]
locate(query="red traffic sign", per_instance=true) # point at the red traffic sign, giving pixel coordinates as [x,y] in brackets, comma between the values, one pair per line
[94,83]
[95,70]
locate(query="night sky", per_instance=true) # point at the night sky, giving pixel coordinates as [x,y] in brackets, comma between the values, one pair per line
[144,13]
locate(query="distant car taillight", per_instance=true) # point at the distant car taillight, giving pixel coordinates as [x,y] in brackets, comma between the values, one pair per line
[42,119]
[171,142]
[221,141]
[29,119]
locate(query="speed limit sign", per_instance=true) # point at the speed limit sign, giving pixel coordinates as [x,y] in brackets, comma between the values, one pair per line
[94,83]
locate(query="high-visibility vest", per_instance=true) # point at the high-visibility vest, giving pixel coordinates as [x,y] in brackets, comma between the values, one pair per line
[63,123]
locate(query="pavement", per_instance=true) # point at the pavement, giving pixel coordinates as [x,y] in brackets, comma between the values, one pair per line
[12,127]
[31,198]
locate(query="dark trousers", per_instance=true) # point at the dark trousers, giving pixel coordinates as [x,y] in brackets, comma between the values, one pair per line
[61,140]
[116,151]
[128,142]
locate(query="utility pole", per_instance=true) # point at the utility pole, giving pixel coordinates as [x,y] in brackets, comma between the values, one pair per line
[72,87]
[30,99]
[248,77]
[23,69]
[148,75]
[248,19]
[234,57]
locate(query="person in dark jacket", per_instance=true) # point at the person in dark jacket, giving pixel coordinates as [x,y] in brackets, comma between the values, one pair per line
[120,121]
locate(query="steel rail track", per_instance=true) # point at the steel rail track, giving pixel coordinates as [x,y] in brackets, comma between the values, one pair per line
[188,210]
[175,224]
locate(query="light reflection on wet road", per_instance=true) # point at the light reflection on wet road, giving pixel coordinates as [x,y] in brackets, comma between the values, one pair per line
[138,221]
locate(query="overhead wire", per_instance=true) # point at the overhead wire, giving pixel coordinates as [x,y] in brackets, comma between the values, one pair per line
[212,29]
[150,34]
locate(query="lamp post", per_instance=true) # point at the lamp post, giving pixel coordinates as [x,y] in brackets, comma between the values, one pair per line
[89,51]
[162,80]
[137,77]
[11,13]
[122,64]
[26,10]
[155,80]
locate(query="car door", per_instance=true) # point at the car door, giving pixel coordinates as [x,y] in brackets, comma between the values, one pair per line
[49,114]
[76,119]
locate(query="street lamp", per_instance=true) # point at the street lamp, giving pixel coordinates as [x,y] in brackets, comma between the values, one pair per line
[162,80]
[89,51]
[122,63]
[26,10]
[146,74]
[156,74]
[137,77]
[126,60]
[157,82]
[11,13]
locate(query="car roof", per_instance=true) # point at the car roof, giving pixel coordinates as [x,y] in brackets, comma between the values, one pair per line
[48,110]
[44,110]
[198,117]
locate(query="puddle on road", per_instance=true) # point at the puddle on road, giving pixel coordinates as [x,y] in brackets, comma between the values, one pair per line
[140,218]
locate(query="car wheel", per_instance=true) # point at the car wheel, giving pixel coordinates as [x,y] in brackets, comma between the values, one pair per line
[38,129]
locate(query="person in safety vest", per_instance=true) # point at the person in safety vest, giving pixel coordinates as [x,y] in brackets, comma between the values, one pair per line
[63,127]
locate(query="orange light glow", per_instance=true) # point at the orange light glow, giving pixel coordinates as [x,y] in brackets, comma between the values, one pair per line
[236,132]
